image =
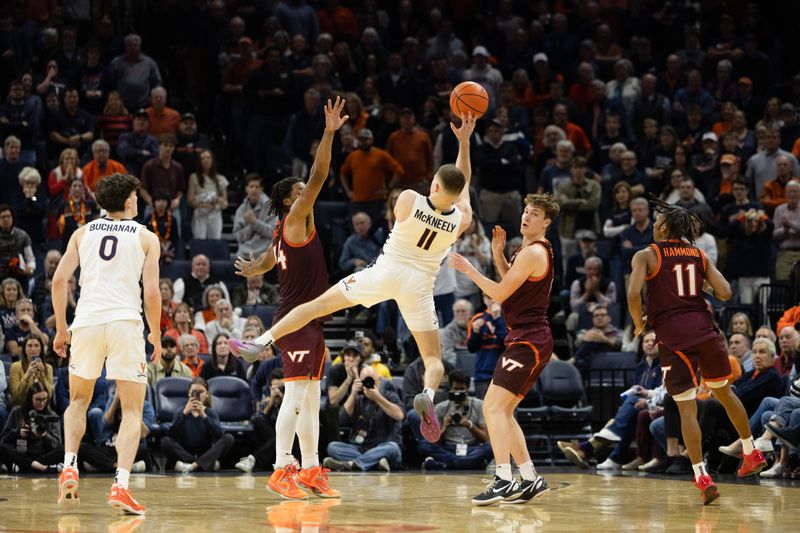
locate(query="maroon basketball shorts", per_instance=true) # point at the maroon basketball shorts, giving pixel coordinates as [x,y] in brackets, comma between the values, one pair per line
[303,353]
[683,369]
[520,365]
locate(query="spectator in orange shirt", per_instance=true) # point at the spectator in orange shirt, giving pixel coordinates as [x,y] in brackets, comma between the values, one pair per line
[412,148]
[365,176]
[101,165]
[574,132]
[163,119]
[339,21]
[774,193]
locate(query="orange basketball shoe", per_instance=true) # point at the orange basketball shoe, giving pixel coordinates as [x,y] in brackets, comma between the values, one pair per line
[122,499]
[752,464]
[707,489]
[68,485]
[316,480]
[282,483]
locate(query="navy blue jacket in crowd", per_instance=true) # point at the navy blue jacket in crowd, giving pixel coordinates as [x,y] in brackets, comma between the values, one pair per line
[261,380]
[62,390]
[196,433]
[755,385]
[488,345]
[648,376]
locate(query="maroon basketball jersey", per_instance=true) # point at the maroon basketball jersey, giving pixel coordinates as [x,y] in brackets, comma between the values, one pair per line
[526,309]
[676,308]
[302,274]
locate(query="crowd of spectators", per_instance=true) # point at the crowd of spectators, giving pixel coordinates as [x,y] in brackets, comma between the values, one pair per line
[209,103]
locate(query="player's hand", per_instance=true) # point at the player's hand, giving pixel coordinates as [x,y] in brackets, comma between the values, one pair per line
[460,263]
[155,340]
[245,267]
[333,112]
[498,240]
[639,328]
[477,324]
[60,342]
[464,132]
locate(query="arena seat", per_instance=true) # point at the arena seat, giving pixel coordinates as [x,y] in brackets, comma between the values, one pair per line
[397,381]
[233,403]
[214,249]
[171,394]
[466,361]
[176,269]
[226,272]
[563,394]
[611,368]
[264,312]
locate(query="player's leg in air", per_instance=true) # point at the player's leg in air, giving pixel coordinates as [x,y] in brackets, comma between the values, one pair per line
[325,304]
[430,350]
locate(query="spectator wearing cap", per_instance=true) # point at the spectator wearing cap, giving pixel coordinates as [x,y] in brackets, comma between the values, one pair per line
[163,119]
[101,165]
[790,131]
[720,191]
[365,176]
[775,190]
[169,365]
[136,147]
[763,166]
[164,174]
[541,78]
[484,73]
[305,126]
[706,162]
[397,84]
[751,104]
[191,144]
[412,148]
[134,73]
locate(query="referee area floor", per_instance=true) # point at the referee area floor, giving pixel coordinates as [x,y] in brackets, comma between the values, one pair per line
[398,502]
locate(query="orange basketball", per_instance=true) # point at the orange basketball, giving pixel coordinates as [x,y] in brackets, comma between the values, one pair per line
[469,96]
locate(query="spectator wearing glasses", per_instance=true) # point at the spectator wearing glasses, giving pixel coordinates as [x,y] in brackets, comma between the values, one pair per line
[603,336]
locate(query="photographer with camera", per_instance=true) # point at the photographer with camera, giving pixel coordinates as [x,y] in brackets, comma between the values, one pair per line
[264,426]
[31,438]
[103,456]
[196,440]
[29,369]
[373,410]
[464,444]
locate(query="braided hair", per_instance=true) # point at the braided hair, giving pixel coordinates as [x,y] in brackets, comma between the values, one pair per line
[680,221]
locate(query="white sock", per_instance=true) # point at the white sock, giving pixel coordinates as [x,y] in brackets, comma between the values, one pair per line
[748,445]
[308,426]
[699,470]
[122,477]
[286,424]
[429,392]
[504,471]
[71,460]
[527,471]
[265,339]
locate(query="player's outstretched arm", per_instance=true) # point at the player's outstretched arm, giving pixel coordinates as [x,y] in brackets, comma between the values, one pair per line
[464,133]
[304,205]
[717,282]
[635,284]
[530,262]
[66,268]
[152,294]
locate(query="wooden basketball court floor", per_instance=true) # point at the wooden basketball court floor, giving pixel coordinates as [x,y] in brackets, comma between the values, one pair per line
[397,502]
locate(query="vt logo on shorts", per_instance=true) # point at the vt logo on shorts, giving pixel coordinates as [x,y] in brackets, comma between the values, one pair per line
[141,372]
[510,364]
[298,355]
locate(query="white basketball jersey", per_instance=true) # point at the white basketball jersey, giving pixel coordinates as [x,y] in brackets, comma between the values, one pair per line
[423,239]
[111,262]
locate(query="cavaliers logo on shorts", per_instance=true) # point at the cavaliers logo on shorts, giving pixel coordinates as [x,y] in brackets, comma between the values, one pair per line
[348,281]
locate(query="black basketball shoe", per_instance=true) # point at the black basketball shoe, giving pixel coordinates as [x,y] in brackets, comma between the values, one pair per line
[531,490]
[498,490]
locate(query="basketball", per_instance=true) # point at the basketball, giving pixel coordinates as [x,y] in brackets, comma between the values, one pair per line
[469,96]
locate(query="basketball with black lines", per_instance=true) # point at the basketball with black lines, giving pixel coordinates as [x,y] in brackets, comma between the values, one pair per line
[467,97]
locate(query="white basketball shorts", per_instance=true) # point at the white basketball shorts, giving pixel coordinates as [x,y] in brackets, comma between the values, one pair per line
[411,288]
[120,344]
